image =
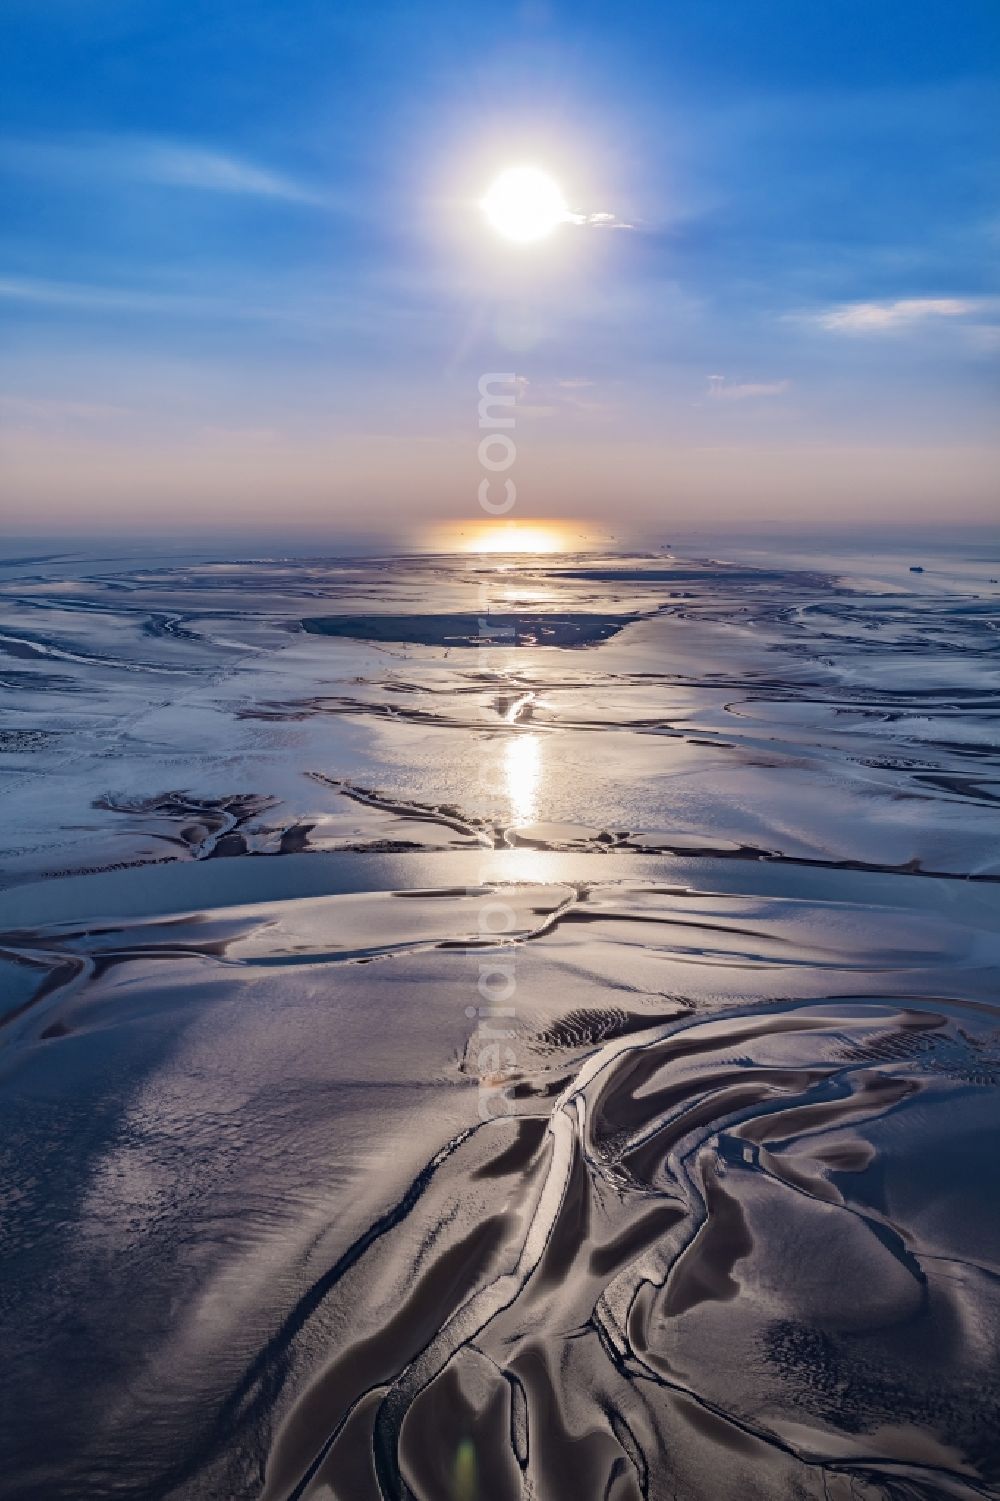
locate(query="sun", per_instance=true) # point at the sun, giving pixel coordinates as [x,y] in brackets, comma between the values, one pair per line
[525,204]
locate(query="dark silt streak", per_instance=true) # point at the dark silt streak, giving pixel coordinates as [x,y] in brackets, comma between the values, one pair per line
[641,1215]
[554,628]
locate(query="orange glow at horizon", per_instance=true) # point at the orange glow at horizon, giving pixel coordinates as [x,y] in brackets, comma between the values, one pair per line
[527,536]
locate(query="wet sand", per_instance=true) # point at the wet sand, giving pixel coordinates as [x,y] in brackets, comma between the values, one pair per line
[701,1208]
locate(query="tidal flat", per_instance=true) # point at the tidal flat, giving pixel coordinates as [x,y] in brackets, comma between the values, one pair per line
[454,1065]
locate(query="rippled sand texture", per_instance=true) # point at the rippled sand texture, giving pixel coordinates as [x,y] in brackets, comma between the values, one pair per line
[705,1211]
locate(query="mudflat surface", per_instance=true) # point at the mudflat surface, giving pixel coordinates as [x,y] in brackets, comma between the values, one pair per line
[521,1072]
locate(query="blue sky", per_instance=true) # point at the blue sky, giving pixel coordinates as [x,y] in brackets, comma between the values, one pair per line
[242,265]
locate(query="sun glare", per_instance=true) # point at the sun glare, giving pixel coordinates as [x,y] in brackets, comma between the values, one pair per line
[516,536]
[525,204]
[509,536]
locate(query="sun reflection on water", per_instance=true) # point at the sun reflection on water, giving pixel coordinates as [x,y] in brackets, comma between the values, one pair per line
[522,773]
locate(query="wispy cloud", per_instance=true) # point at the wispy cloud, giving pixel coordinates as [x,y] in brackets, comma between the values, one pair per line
[212,303]
[311,311]
[98,298]
[46,409]
[560,398]
[149,159]
[216,172]
[721,389]
[602,221]
[904,312]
